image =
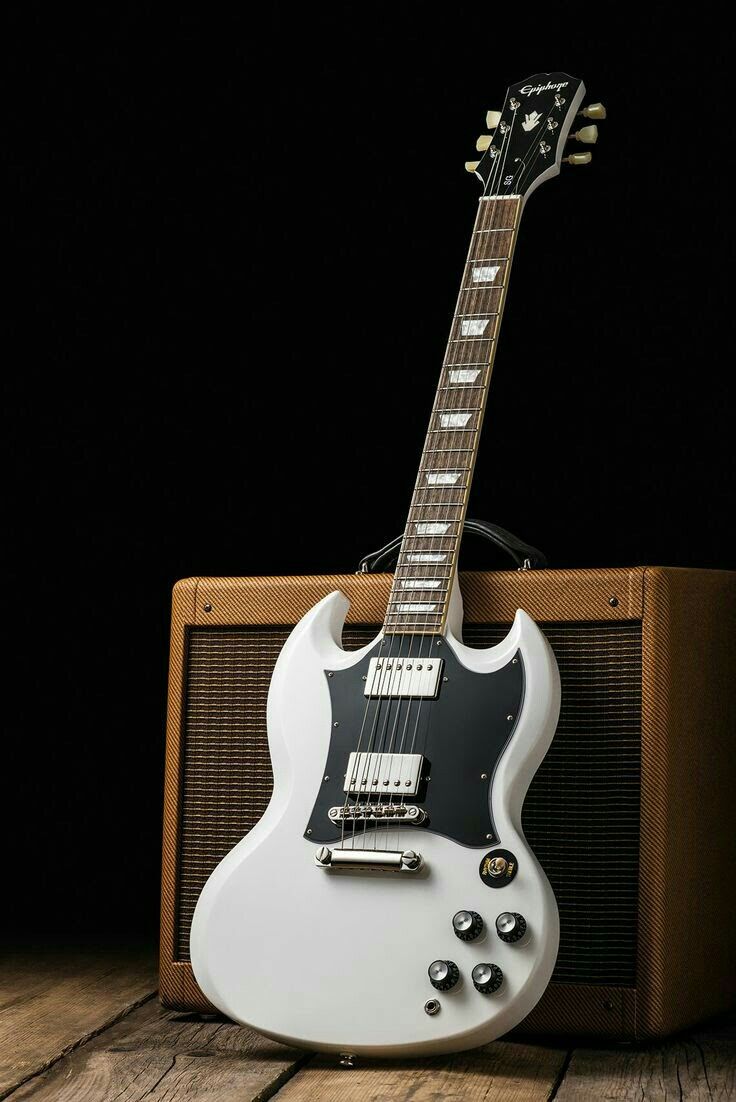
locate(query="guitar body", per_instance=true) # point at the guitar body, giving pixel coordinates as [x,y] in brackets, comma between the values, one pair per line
[338,960]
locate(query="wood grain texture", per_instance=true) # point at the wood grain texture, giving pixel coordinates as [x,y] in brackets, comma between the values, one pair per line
[697,1068]
[51,1002]
[155,1054]
[500,1072]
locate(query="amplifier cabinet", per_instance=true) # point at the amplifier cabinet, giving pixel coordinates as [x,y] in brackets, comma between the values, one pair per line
[631,812]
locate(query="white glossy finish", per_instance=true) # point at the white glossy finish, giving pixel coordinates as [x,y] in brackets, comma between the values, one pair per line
[338,961]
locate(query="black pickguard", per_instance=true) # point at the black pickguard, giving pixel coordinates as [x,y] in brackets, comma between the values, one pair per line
[462,734]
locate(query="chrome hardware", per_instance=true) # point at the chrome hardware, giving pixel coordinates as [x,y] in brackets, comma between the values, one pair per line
[386,813]
[403,677]
[369,860]
[347,1059]
[371,773]
[432,1007]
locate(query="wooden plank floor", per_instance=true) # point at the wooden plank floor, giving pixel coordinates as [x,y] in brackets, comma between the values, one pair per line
[88,1029]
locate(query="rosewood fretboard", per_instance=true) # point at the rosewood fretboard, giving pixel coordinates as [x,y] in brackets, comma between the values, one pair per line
[428,558]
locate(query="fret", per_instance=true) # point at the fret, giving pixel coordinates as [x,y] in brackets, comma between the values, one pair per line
[427,561]
[443,451]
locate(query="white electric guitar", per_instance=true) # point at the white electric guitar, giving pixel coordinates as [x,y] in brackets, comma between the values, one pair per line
[387,903]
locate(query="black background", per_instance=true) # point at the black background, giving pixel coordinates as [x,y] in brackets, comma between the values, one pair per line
[234,252]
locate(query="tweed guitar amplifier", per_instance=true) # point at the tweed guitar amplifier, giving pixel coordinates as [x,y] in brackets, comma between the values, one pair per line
[631,813]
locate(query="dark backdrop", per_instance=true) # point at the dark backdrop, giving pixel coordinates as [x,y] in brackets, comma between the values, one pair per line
[236,250]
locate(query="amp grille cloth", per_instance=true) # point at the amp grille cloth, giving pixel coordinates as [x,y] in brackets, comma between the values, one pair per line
[581,815]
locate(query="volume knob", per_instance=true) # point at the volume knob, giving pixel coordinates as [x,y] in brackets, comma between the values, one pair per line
[510,926]
[468,925]
[487,978]
[443,974]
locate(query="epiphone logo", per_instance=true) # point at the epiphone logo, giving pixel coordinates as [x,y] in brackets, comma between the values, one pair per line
[533,89]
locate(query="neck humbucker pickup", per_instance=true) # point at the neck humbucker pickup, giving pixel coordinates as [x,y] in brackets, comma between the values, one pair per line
[403,677]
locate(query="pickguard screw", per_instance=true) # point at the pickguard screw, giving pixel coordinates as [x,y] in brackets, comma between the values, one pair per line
[514,661]
[438,643]
[509,718]
[332,675]
[445,679]
[363,678]
[327,778]
[309,830]
[207,607]
[336,723]
[613,601]
[484,776]
[489,837]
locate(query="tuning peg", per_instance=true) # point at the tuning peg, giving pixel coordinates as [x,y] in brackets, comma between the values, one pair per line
[578,159]
[470,166]
[587,134]
[483,142]
[493,118]
[593,111]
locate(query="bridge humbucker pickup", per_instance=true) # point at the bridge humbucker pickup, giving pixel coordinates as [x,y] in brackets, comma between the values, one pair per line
[389,773]
[403,677]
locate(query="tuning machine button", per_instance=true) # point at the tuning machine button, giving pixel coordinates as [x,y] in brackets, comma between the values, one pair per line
[588,135]
[487,978]
[470,166]
[493,118]
[510,926]
[468,925]
[578,159]
[593,111]
[483,142]
[443,974]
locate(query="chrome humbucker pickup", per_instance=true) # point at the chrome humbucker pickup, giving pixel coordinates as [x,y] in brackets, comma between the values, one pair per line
[394,773]
[384,813]
[403,677]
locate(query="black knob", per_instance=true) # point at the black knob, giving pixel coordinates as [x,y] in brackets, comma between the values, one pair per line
[510,926]
[468,925]
[443,974]
[487,978]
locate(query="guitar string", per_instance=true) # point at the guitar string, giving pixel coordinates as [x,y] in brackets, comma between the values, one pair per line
[396,595]
[487,384]
[496,217]
[469,299]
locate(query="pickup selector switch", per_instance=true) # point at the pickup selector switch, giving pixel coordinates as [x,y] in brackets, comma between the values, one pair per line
[468,925]
[510,926]
[487,978]
[443,974]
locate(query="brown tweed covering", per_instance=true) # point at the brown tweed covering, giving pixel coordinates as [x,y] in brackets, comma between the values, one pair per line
[688,769]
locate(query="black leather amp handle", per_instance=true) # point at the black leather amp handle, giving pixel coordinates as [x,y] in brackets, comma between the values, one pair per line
[524,555]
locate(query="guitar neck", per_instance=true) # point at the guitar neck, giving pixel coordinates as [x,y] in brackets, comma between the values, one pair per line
[427,563]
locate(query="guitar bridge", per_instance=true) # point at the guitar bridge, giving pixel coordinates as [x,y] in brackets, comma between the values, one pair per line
[383,813]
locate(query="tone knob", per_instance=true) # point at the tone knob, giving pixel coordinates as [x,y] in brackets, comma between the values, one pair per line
[487,978]
[443,974]
[510,926]
[468,925]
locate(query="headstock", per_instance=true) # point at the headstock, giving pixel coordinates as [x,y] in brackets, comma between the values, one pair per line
[528,143]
